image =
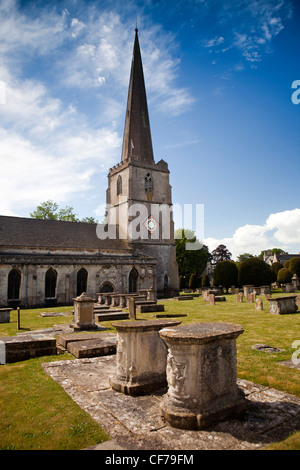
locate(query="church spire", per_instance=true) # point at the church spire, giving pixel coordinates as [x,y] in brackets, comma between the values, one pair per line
[137,143]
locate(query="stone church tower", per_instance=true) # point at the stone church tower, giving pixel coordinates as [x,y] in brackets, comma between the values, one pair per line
[139,200]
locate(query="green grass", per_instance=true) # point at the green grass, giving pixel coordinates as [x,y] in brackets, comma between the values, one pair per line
[36,413]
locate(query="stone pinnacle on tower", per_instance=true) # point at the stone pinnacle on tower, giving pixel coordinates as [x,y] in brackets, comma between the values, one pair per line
[137,142]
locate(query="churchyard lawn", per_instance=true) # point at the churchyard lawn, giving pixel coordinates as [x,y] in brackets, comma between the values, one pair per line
[36,413]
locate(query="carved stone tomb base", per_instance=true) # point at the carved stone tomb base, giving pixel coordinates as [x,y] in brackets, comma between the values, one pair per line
[141,356]
[201,375]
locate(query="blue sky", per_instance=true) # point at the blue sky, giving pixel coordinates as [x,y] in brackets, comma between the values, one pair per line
[219,78]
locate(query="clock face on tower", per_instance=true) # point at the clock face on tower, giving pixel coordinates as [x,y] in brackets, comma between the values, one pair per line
[151,224]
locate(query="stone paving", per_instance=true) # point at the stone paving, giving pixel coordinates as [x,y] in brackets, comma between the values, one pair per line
[134,423]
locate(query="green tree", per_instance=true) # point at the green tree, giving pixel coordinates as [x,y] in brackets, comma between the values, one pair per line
[220,254]
[294,265]
[244,256]
[182,283]
[193,281]
[275,267]
[190,261]
[48,210]
[254,271]
[205,281]
[284,276]
[225,274]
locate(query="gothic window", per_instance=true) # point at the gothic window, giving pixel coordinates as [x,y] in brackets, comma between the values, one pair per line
[148,184]
[14,282]
[119,185]
[82,276]
[133,278]
[107,287]
[50,283]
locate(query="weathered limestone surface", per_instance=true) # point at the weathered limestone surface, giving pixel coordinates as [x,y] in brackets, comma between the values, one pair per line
[84,313]
[201,375]
[92,348]
[283,305]
[141,356]
[134,422]
[5,315]
[23,347]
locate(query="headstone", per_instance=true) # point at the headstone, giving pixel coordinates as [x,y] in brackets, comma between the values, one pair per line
[240,297]
[211,299]
[201,375]
[295,281]
[251,297]
[248,289]
[22,347]
[141,356]
[5,315]
[258,304]
[265,290]
[283,305]
[132,309]
[288,288]
[84,313]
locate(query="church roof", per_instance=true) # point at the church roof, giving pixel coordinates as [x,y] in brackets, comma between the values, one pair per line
[21,232]
[137,142]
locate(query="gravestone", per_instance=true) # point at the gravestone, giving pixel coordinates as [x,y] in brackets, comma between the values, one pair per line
[132,309]
[288,288]
[258,304]
[296,282]
[141,356]
[22,347]
[212,299]
[201,375]
[283,305]
[84,313]
[5,315]
[240,297]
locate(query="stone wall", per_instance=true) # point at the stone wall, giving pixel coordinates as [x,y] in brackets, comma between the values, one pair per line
[114,270]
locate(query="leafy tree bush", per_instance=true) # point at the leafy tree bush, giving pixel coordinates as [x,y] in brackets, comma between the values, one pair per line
[286,264]
[193,260]
[254,271]
[294,265]
[243,257]
[284,276]
[193,281]
[181,280]
[225,274]
[205,281]
[48,210]
[275,268]
[220,254]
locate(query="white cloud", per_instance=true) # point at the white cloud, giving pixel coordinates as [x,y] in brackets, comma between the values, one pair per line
[281,228]
[216,41]
[50,147]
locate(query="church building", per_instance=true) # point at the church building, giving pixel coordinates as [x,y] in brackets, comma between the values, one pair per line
[49,262]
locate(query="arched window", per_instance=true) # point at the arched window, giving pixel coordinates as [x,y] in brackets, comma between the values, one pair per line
[82,276]
[14,282]
[50,283]
[148,184]
[119,185]
[133,278]
[107,287]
